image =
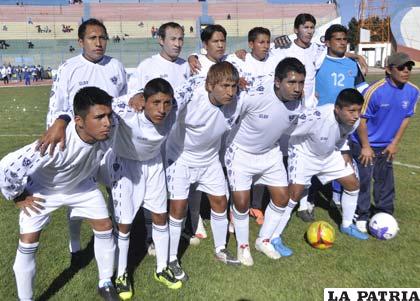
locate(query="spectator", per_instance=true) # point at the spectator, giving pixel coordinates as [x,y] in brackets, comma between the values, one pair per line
[30,45]
[229,17]
[71,49]
[4,75]
[30,20]
[191,29]
[5,27]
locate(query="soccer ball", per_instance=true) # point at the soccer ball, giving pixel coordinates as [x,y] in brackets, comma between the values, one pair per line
[383,226]
[320,235]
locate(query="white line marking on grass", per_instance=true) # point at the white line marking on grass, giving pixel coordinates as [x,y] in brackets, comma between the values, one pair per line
[20,135]
[407,165]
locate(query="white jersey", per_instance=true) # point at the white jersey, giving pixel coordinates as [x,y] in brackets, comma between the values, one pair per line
[263,119]
[312,57]
[108,74]
[139,133]
[318,133]
[196,138]
[61,173]
[206,64]
[157,66]
[252,67]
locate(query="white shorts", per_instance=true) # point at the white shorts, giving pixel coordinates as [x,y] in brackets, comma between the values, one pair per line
[83,204]
[134,184]
[244,168]
[180,177]
[302,167]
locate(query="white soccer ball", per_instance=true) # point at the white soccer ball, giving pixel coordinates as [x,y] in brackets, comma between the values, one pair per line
[383,226]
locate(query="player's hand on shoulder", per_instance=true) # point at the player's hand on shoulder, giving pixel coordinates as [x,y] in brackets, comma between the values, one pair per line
[282,42]
[194,63]
[241,54]
[26,202]
[56,134]
[243,84]
[366,156]
[137,102]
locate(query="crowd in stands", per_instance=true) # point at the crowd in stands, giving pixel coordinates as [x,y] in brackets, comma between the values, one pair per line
[26,73]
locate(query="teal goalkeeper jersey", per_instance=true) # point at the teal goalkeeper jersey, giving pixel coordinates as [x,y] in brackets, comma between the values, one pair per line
[334,75]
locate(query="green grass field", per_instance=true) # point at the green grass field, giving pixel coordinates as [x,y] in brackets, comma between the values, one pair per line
[303,276]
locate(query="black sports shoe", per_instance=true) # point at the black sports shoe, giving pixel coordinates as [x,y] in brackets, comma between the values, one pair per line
[177,270]
[108,292]
[306,215]
[224,256]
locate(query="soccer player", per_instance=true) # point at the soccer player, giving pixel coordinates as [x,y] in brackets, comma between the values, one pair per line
[168,65]
[318,147]
[39,185]
[311,54]
[91,68]
[253,154]
[141,182]
[193,157]
[336,73]
[389,105]
[213,38]
[258,62]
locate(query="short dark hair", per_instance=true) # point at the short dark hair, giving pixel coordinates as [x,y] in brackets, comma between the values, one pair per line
[333,29]
[82,28]
[303,18]
[287,65]
[157,85]
[253,33]
[222,71]
[88,97]
[348,97]
[209,30]
[162,29]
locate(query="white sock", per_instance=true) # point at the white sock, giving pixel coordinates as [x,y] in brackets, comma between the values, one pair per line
[219,223]
[284,219]
[303,203]
[25,268]
[104,247]
[74,233]
[349,204]
[160,236]
[272,218]
[241,224]
[123,243]
[175,228]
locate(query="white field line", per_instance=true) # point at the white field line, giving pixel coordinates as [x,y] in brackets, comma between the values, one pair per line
[407,165]
[19,135]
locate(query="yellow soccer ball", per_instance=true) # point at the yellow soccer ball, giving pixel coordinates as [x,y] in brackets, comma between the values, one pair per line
[320,235]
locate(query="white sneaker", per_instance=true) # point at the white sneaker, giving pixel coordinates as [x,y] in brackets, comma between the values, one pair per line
[201,231]
[361,226]
[244,255]
[267,248]
[151,249]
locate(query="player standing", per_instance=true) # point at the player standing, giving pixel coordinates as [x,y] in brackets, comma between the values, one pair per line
[91,68]
[253,154]
[193,158]
[389,105]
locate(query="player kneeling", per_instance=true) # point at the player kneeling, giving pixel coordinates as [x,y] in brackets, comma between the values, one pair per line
[318,147]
